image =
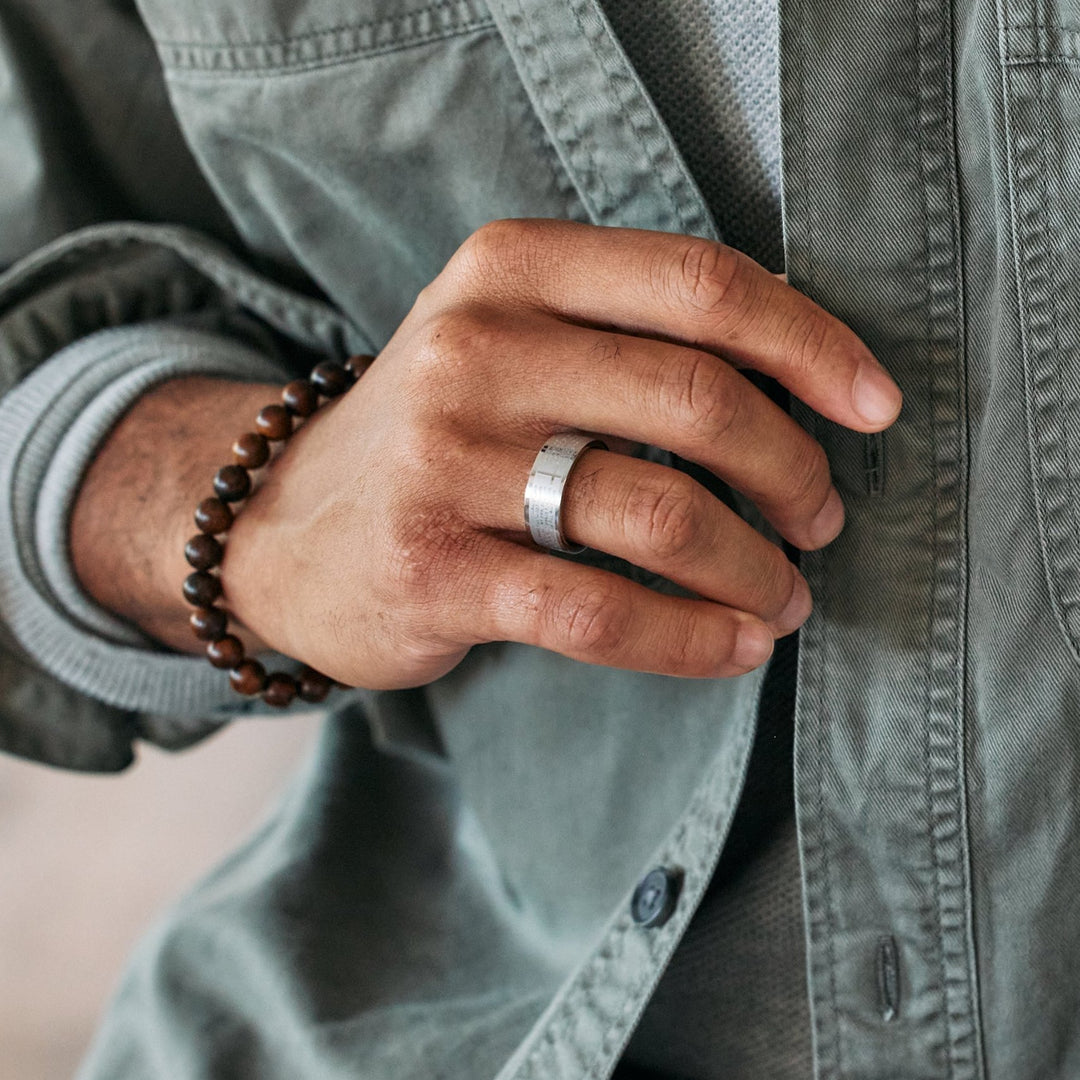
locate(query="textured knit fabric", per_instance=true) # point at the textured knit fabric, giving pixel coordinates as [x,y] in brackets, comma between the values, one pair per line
[711,67]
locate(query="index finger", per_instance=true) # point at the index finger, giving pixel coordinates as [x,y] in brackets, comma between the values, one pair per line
[693,291]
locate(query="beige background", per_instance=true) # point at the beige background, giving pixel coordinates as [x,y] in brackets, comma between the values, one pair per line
[86,862]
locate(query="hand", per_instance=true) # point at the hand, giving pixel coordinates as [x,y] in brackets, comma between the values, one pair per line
[387,539]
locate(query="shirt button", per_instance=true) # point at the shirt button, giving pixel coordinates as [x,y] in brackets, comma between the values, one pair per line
[654,899]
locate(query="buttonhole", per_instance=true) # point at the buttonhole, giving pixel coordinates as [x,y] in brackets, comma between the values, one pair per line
[874,462]
[888,977]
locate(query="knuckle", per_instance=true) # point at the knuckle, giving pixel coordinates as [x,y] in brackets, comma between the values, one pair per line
[427,299]
[667,518]
[495,251]
[705,403]
[710,278]
[592,619]
[412,460]
[425,548]
[811,337]
[809,479]
[456,334]
[773,586]
[451,354]
[480,252]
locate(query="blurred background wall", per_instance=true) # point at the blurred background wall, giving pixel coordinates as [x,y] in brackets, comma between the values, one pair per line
[87,861]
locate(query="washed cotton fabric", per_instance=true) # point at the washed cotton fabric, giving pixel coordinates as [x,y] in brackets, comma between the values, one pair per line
[445,891]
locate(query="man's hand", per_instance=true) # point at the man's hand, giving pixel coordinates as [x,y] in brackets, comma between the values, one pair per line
[387,539]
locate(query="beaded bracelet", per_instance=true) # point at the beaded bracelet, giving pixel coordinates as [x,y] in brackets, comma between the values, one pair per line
[214,516]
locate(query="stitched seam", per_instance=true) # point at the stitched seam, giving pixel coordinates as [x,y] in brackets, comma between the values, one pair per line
[802,130]
[543,144]
[965,902]
[261,296]
[945,707]
[1055,313]
[1044,434]
[826,642]
[830,894]
[367,24]
[1024,239]
[576,147]
[610,951]
[935,547]
[1064,36]
[1043,61]
[659,157]
[221,62]
[1039,24]
[618,1026]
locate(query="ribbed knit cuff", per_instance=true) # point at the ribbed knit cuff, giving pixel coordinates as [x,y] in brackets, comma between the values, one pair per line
[51,425]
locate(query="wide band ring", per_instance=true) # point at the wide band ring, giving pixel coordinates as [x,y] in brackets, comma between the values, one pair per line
[547,483]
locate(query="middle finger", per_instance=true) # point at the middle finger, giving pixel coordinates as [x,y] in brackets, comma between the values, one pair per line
[681,399]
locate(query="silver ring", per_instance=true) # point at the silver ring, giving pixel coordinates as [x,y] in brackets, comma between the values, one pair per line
[546,484]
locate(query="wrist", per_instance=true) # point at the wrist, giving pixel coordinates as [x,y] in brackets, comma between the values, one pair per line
[133,513]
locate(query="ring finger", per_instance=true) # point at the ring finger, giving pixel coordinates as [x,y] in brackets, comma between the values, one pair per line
[661,520]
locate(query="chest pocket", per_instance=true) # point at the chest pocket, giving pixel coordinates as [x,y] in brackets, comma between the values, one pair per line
[1040,45]
[357,142]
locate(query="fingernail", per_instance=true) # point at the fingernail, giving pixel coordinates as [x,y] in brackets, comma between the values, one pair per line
[829,521]
[876,397]
[798,608]
[753,645]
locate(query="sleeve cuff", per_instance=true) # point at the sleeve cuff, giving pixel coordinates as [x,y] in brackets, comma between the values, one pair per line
[51,424]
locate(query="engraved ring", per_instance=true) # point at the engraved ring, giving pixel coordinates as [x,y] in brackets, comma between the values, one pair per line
[546,484]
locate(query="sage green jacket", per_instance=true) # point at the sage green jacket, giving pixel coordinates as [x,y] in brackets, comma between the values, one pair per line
[445,891]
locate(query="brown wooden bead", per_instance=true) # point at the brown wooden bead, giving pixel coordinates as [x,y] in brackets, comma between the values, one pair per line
[213,516]
[280,690]
[313,685]
[232,483]
[331,379]
[251,450]
[203,551]
[357,365]
[300,397]
[201,589]
[226,652]
[209,623]
[274,422]
[248,677]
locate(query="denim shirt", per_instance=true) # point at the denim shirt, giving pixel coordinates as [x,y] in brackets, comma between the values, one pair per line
[446,890]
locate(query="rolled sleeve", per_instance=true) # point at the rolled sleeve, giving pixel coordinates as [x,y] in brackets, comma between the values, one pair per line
[54,421]
[85,330]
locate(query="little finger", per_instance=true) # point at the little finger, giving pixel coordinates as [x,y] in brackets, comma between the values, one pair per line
[598,617]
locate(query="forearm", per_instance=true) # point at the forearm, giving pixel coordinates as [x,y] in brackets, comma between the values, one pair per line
[133,513]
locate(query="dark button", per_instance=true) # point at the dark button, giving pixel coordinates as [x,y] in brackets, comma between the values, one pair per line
[655,897]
